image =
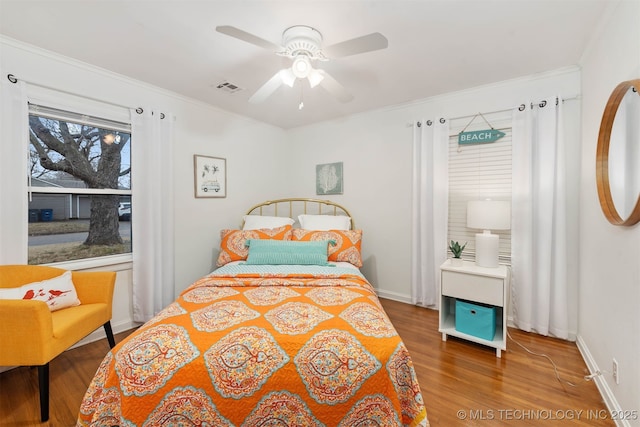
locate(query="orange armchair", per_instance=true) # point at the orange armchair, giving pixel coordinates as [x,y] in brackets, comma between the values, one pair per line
[32,335]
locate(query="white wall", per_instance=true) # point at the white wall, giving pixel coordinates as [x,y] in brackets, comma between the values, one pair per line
[256,158]
[609,316]
[376,149]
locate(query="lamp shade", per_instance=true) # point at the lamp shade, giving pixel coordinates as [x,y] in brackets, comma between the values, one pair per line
[489,214]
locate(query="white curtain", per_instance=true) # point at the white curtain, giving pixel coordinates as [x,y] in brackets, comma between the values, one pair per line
[14,141]
[152,212]
[539,220]
[429,209]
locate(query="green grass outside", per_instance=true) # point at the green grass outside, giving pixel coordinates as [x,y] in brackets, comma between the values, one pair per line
[46,254]
[58,227]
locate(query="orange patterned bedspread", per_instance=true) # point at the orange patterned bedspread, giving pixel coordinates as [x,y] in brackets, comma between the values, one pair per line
[261,349]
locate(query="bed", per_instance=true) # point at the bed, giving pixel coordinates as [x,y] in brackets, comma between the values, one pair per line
[285,332]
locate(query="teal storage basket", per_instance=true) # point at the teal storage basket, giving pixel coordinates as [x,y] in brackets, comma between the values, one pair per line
[475,319]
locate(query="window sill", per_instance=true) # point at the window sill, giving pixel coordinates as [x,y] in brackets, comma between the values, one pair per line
[113,262]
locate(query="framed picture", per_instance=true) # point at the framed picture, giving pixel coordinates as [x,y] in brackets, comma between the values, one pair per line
[210,176]
[329,178]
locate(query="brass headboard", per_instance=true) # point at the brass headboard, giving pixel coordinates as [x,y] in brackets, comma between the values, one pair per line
[292,207]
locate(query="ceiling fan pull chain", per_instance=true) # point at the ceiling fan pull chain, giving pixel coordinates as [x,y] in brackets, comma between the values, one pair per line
[301,105]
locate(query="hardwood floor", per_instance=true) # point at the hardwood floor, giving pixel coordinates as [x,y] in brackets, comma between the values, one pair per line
[463,384]
[69,374]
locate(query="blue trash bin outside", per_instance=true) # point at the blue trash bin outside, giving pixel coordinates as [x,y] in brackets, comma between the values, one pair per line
[46,214]
[34,215]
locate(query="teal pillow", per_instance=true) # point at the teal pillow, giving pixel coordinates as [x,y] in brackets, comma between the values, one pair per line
[287,252]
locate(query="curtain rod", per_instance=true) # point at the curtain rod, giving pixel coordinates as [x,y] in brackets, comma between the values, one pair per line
[571,98]
[509,109]
[13,79]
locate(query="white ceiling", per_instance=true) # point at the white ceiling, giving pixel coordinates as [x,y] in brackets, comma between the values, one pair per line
[435,46]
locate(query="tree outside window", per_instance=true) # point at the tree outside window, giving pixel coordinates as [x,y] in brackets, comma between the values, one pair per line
[80,183]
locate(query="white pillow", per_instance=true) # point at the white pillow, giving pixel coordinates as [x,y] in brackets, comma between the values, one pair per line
[257,222]
[324,222]
[58,292]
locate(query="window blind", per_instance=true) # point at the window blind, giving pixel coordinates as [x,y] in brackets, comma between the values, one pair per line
[84,119]
[477,172]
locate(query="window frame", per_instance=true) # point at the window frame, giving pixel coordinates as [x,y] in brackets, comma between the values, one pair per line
[97,115]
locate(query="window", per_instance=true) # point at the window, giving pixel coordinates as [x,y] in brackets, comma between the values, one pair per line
[477,172]
[79,186]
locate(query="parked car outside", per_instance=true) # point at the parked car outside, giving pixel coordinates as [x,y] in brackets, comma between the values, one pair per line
[124,211]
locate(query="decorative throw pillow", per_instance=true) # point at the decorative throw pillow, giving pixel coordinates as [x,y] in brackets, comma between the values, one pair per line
[58,292]
[233,243]
[348,243]
[287,252]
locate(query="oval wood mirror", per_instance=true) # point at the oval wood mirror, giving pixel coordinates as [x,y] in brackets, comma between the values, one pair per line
[618,155]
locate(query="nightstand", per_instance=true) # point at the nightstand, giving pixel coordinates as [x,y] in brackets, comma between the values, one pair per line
[468,282]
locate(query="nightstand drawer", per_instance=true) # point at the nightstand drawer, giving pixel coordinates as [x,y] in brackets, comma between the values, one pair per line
[483,289]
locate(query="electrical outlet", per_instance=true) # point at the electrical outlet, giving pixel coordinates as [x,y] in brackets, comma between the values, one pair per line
[616,372]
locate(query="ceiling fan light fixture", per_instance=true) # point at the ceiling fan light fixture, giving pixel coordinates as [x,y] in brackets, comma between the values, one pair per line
[303,45]
[315,77]
[287,77]
[301,66]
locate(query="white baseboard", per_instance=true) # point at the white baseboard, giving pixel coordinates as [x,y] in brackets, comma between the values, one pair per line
[393,296]
[605,391]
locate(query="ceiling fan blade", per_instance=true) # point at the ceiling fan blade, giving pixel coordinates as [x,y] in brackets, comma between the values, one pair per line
[267,89]
[368,43]
[248,37]
[332,86]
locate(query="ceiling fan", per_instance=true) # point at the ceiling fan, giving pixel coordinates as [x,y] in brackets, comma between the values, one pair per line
[303,44]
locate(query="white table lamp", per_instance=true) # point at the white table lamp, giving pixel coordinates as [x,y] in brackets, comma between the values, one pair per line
[488,215]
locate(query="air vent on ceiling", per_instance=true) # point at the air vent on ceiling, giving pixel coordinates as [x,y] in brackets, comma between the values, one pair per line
[228,87]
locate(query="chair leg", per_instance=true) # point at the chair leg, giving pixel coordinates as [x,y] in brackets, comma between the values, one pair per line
[109,332]
[43,384]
